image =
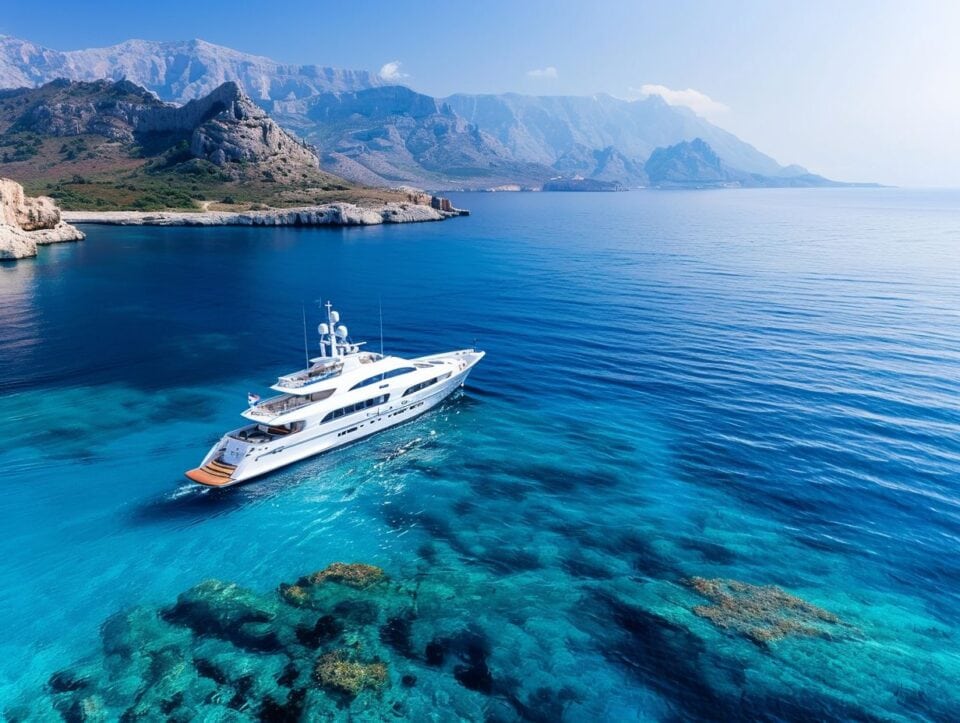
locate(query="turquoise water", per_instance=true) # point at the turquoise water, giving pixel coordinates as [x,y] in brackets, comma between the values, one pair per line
[759,386]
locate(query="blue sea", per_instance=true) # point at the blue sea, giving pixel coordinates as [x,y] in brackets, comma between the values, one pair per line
[755,392]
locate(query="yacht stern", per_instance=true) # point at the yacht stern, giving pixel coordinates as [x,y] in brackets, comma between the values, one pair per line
[212,474]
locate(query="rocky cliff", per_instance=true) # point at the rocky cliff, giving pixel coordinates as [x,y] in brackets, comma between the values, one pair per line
[223,127]
[26,222]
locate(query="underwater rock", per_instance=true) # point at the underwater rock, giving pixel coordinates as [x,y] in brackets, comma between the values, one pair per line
[357,574]
[89,709]
[289,675]
[357,613]
[435,653]
[66,681]
[290,711]
[473,673]
[208,669]
[137,632]
[544,705]
[763,613]
[397,634]
[327,628]
[220,652]
[295,595]
[228,611]
[338,672]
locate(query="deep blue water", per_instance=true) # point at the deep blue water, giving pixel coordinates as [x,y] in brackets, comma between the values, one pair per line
[761,386]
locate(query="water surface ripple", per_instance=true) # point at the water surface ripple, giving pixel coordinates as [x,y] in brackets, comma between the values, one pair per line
[760,386]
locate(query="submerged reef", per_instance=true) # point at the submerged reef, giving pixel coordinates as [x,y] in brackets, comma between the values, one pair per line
[336,671]
[763,613]
[346,642]
[357,574]
[429,642]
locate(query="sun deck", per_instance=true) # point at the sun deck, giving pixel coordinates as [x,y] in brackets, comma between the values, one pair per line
[322,369]
[276,407]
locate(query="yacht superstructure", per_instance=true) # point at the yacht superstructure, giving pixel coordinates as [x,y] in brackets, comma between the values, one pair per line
[345,394]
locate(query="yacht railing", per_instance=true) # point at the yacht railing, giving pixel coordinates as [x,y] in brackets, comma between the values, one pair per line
[279,405]
[309,376]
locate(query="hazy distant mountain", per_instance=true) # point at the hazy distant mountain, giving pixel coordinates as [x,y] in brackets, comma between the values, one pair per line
[178,71]
[694,164]
[379,134]
[566,130]
[395,135]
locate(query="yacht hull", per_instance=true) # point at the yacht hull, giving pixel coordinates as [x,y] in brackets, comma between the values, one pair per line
[257,460]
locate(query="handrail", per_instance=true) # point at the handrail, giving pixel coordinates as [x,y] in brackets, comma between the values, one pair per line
[279,405]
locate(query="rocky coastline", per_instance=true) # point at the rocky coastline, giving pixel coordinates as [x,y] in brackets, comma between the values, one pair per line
[27,222]
[333,214]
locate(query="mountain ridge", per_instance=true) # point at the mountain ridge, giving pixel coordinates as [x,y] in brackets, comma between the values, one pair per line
[111,144]
[373,132]
[180,70]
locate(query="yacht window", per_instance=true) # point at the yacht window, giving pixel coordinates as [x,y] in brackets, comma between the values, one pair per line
[424,385]
[351,408]
[384,375]
[317,396]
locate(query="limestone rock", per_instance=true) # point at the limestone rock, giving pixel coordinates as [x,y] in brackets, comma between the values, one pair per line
[26,222]
[242,132]
[16,244]
[27,214]
[224,126]
[333,214]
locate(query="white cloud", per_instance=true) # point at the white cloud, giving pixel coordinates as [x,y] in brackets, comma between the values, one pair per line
[698,102]
[548,72]
[391,71]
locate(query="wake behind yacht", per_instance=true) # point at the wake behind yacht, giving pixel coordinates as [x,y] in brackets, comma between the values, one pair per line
[344,394]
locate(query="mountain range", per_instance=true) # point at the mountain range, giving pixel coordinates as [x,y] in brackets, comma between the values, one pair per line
[376,133]
[109,144]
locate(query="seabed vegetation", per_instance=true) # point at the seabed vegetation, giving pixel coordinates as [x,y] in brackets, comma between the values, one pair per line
[763,613]
[348,642]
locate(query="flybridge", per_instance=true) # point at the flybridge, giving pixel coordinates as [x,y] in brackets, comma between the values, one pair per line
[337,352]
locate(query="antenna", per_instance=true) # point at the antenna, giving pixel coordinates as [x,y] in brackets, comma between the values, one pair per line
[380,303]
[306,347]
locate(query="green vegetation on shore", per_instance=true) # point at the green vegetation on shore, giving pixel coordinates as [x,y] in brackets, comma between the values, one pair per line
[83,173]
[112,146]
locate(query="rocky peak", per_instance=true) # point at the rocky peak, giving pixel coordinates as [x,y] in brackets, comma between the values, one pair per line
[222,127]
[234,128]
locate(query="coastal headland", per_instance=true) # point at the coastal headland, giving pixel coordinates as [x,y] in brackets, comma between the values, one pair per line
[26,222]
[331,214]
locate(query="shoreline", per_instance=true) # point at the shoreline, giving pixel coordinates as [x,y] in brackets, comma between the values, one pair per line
[332,214]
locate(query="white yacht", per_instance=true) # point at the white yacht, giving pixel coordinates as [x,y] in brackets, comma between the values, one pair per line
[345,394]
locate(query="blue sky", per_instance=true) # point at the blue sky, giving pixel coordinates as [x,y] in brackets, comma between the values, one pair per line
[854,90]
